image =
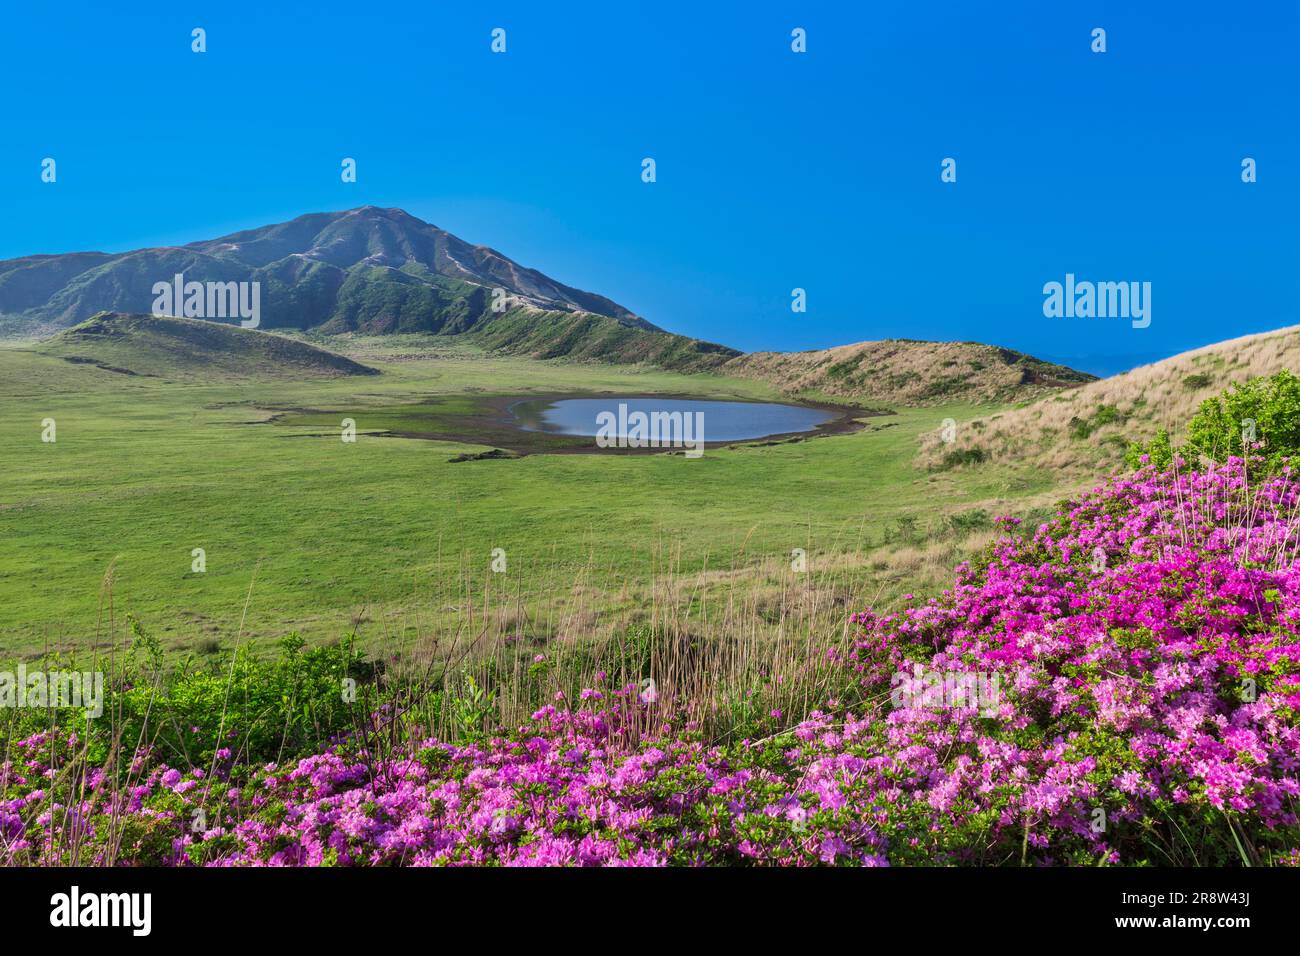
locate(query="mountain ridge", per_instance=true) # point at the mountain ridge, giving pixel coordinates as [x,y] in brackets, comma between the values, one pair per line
[421,272]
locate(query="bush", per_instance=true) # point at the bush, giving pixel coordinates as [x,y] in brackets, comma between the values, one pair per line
[1223,425]
[1081,428]
[1259,420]
[260,709]
[1160,452]
[965,522]
[964,456]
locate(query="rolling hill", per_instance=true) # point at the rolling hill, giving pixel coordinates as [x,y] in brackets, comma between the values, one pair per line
[1084,432]
[189,348]
[908,372]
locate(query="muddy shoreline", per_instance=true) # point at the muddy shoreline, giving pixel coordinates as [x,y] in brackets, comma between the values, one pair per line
[493,425]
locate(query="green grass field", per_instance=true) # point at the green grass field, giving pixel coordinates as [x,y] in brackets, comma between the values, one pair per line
[304,532]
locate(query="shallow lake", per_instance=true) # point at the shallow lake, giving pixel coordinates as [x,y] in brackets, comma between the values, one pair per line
[721,421]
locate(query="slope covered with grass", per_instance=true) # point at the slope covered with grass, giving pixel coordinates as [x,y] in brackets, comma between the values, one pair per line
[909,372]
[166,347]
[1086,431]
[585,336]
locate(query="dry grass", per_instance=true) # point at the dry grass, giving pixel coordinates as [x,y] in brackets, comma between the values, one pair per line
[908,373]
[1084,432]
[723,644]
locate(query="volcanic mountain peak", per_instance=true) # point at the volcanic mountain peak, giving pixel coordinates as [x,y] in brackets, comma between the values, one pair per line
[366,269]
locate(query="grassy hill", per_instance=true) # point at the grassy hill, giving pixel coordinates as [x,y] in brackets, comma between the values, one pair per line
[589,337]
[189,348]
[908,372]
[1084,432]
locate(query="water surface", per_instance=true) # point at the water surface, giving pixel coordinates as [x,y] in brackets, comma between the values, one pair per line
[722,421]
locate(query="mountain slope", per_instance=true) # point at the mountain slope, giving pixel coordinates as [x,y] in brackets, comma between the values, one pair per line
[1086,431]
[908,372]
[189,348]
[366,269]
[587,337]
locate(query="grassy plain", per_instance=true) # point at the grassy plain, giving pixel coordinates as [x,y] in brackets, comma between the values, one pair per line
[386,536]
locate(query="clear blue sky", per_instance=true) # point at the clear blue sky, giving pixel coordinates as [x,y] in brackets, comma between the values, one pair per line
[775,170]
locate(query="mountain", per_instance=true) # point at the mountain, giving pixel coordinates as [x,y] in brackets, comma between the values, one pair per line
[191,349]
[367,270]
[1082,433]
[908,372]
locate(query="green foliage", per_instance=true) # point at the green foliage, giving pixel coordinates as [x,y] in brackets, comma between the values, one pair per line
[259,709]
[1081,428]
[1266,408]
[1218,429]
[964,522]
[943,387]
[843,370]
[1160,450]
[474,709]
[906,532]
[964,456]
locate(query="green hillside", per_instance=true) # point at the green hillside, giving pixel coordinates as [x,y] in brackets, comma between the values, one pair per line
[164,347]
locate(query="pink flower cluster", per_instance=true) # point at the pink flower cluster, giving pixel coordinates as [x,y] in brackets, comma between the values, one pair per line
[1148,646]
[559,793]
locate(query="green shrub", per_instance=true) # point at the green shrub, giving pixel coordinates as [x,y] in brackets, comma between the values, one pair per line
[1160,449]
[977,519]
[260,709]
[1081,428]
[1264,413]
[1272,404]
[964,456]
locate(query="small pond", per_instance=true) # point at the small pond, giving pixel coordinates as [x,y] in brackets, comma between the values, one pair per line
[720,421]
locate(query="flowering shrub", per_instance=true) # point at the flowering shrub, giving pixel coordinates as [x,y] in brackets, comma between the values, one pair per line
[1144,645]
[1147,642]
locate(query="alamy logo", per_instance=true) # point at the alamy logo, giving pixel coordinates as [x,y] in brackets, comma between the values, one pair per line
[651,430]
[209,300]
[924,689]
[53,689]
[1102,300]
[134,910]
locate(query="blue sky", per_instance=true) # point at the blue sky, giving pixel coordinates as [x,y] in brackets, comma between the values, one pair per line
[775,170]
